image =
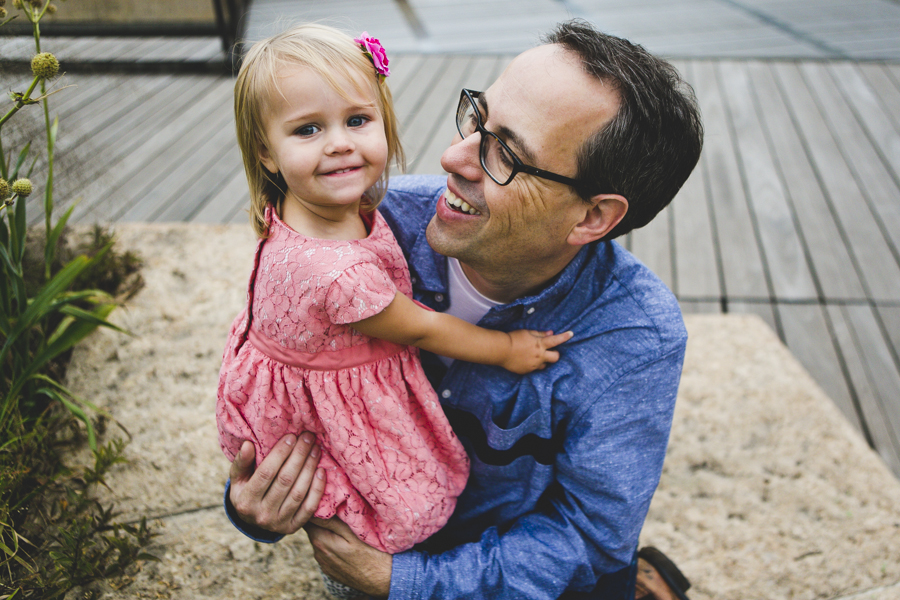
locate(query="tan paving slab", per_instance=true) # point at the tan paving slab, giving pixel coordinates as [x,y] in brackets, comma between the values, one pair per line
[767,491]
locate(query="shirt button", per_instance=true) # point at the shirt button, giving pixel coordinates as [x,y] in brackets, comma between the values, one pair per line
[530,310]
[445,394]
[413,280]
[438,297]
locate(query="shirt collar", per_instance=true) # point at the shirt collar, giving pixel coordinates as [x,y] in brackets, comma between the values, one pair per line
[431,270]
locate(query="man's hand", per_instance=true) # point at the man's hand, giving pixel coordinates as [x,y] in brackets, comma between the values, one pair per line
[283,493]
[345,558]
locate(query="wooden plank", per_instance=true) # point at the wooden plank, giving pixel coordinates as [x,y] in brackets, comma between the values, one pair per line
[139,48]
[169,169]
[80,126]
[653,244]
[16,47]
[880,362]
[107,106]
[439,99]
[101,48]
[409,100]
[227,202]
[695,272]
[890,317]
[211,177]
[699,307]
[833,268]
[71,95]
[885,88]
[86,165]
[143,117]
[194,49]
[202,97]
[696,269]
[741,262]
[880,435]
[860,230]
[479,75]
[807,334]
[873,174]
[403,69]
[783,254]
[882,128]
[766,310]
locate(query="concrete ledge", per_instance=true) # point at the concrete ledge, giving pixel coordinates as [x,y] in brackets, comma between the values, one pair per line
[767,492]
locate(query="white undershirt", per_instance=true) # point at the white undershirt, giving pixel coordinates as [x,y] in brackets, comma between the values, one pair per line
[466,302]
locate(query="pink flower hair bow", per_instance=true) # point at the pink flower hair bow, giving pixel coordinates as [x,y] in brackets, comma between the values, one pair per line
[375,51]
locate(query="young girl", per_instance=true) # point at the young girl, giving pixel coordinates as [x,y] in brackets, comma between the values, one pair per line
[321,346]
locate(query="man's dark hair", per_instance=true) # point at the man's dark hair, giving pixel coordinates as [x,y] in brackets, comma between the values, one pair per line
[648,150]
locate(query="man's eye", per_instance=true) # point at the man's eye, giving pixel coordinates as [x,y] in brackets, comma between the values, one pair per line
[306,130]
[505,156]
[357,121]
[470,124]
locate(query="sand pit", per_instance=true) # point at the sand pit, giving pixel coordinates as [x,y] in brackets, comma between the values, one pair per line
[767,491]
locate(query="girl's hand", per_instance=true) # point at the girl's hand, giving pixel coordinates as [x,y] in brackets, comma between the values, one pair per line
[530,350]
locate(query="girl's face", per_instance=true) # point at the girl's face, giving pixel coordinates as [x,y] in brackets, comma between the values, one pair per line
[328,149]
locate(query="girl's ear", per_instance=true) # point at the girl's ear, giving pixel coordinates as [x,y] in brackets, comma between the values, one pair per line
[266,159]
[603,213]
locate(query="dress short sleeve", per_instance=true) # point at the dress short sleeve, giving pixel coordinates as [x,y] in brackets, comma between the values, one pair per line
[358,293]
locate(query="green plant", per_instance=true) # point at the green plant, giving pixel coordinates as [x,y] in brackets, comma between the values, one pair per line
[53,534]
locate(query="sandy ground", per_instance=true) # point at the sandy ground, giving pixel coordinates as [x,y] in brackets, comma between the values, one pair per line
[767,491]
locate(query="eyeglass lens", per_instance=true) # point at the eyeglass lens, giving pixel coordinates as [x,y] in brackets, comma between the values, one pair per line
[495,159]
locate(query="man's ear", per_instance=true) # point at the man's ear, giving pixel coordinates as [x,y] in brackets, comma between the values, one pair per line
[603,213]
[266,159]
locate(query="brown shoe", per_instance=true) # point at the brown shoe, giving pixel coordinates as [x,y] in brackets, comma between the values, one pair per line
[658,578]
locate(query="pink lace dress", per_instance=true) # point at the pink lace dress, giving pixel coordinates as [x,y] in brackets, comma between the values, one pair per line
[394,466]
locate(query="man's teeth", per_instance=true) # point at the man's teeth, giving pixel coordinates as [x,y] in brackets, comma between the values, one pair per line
[456,202]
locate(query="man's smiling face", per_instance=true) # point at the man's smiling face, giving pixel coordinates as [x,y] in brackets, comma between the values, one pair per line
[544,107]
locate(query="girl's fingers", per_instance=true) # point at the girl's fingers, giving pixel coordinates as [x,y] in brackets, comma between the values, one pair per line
[549,340]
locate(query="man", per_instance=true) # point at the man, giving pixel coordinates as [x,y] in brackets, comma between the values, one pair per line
[579,141]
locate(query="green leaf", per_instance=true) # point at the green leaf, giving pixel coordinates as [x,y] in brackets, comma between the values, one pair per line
[48,190]
[76,410]
[75,332]
[38,308]
[92,317]
[20,226]
[20,161]
[53,238]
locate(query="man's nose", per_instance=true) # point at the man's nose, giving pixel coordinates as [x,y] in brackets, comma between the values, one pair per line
[461,157]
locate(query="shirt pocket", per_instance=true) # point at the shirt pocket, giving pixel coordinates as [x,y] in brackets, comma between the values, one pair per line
[499,494]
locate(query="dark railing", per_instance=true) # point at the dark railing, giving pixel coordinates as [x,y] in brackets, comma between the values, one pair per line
[228,26]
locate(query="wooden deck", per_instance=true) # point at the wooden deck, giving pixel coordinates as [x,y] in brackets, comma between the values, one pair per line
[793,212]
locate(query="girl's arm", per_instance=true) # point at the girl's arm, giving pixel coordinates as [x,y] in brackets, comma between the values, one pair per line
[405,322]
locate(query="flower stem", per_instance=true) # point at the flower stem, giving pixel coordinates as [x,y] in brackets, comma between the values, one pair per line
[21,102]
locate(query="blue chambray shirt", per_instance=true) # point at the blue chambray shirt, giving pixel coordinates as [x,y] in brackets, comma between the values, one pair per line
[564,460]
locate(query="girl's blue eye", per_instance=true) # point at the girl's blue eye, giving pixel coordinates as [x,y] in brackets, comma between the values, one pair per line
[357,121]
[306,130]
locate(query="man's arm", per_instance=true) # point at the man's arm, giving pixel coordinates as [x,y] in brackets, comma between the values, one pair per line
[607,473]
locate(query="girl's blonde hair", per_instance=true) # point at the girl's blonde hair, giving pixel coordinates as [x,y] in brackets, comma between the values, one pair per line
[335,57]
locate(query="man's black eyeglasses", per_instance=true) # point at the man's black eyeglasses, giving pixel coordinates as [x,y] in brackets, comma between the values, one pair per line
[497,160]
